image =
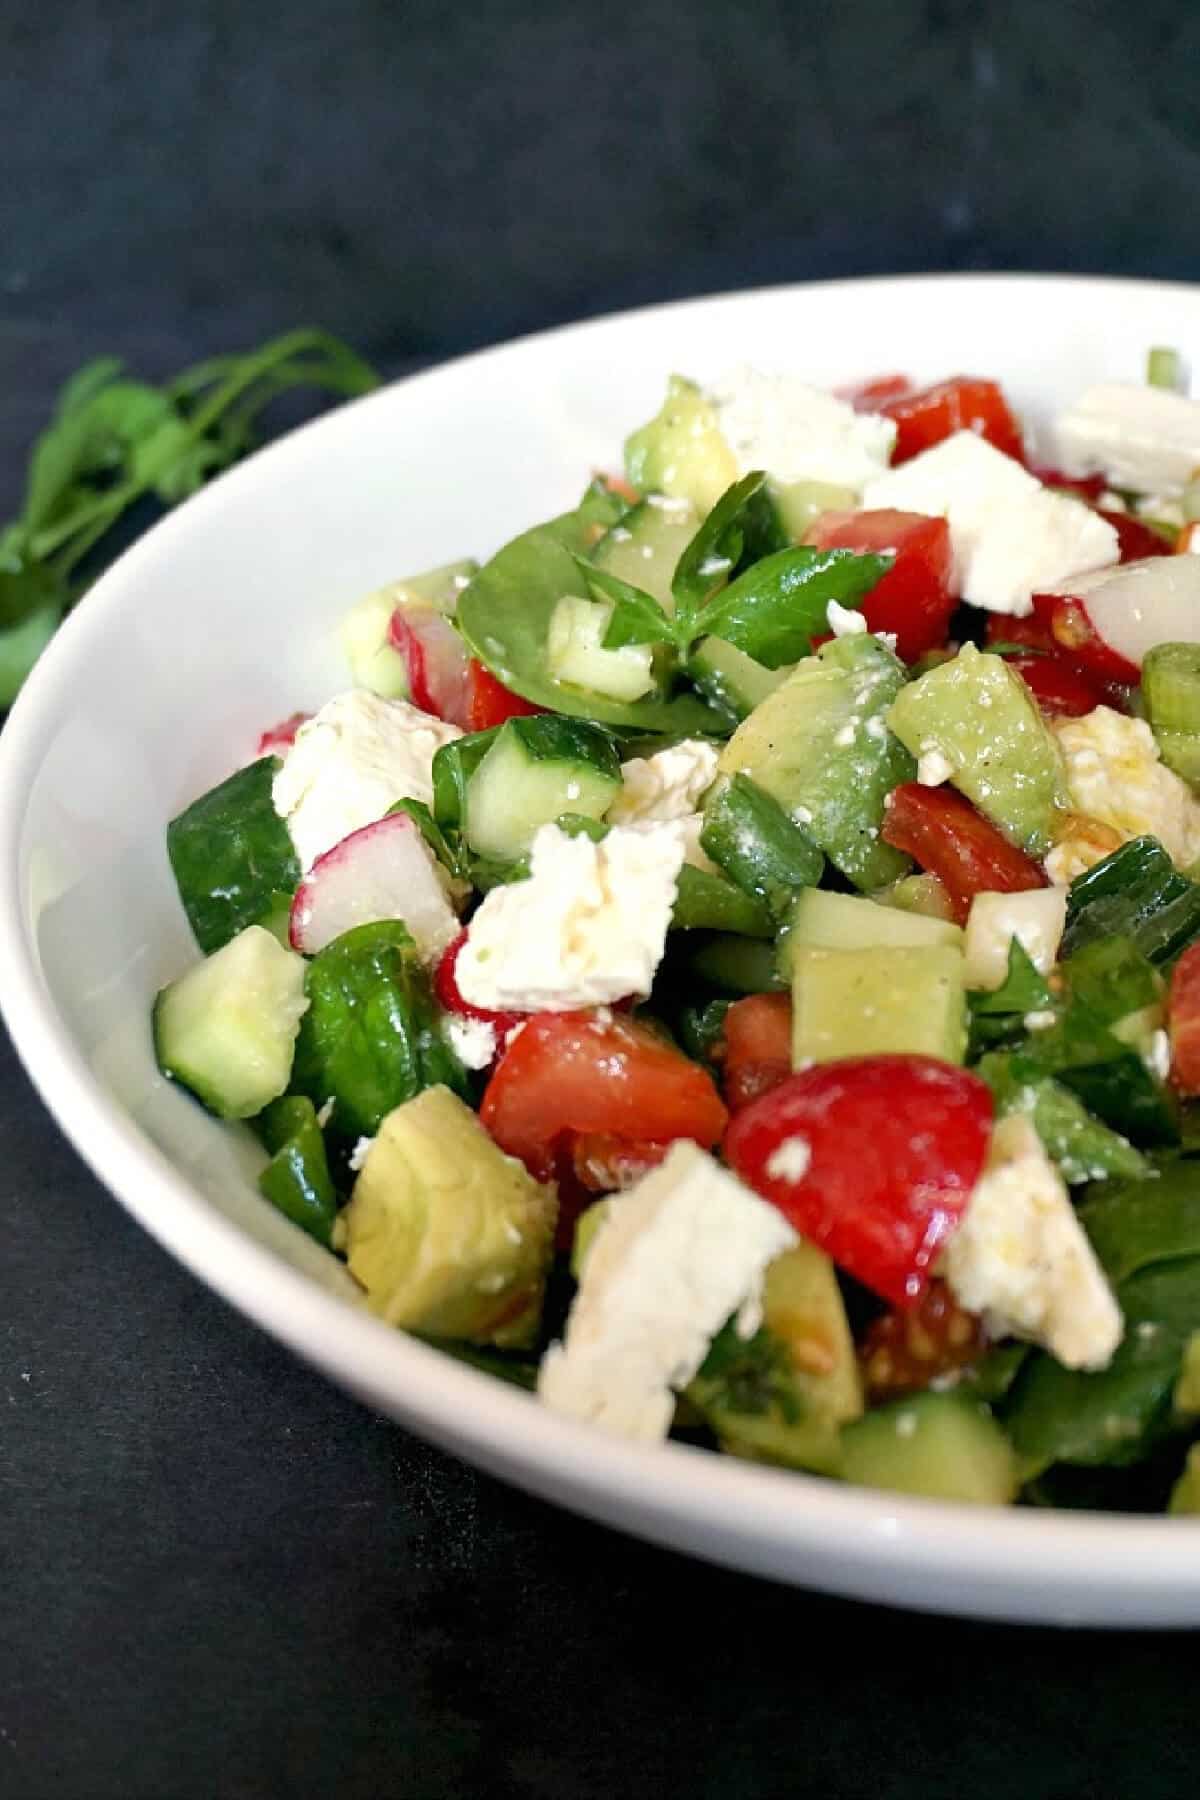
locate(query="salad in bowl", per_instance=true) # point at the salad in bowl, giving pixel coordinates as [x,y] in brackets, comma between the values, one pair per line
[730,962]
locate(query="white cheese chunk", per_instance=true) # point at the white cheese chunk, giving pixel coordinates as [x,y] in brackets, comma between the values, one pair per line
[845,621]
[588,926]
[667,785]
[933,768]
[1144,438]
[473,1041]
[797,432]
[1021,1258]
[1010,536]
[676,1255]
[1037,919]
[350,763]
[1118,785]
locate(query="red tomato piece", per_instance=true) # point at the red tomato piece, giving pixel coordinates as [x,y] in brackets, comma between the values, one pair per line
[490,703]
[903,1352]
[942,831]
[869,396]
[605,1164]
[1003,629]
[964,403]
[446,990]
[1135,539]
[1086,487]
[1060,690]
[596,1071]
[915,598]
[1183,1021]
[280,738]
[757,1047]
[1072,633]
[873,1158]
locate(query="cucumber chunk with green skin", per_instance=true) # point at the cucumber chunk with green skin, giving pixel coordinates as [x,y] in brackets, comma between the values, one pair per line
[798,503]
[504,615]
[908,1001]
[819,745]
[942,1446]
[1116,1415]
[730,679]
[227,1029]
[645,546]
[1127,894]
[681,451]
[980,716]
[231,853]
[534,770]
[447,1235]
[576,653]
[750,836]
[297,1179]
[370,1039]
[1079,1145]
[1185,1495]
[705,902]
[1171,698]
[783,1395]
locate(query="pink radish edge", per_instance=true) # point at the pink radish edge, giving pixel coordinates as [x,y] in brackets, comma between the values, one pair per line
[382,871]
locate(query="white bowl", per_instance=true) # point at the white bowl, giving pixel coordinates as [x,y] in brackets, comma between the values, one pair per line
[221,621]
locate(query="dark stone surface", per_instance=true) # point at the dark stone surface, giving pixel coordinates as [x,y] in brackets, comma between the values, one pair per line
[219,1576]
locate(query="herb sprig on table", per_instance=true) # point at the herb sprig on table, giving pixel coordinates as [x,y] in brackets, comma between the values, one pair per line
[114,441]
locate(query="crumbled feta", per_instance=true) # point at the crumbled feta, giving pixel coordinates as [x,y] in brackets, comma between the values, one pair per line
[1011,537]
[1144,438]
[351,762]
[797,432]
[1036,918]
[1021,1258]
[845,621]
[933,768]
[667,785]
[790,1159]
[1118,784]
[1158,1055]
[587,927]
[676,1255]
[360,1153]
[473,1041]
[1041,1020]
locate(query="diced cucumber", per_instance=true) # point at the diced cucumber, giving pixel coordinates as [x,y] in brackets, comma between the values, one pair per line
[1171,696]
[907,1001]
[982,719]
[227,1029]
[681,451]
[922,894]
[798,503]
[730,679]
[824,921]
[644,547]
[575,652]
[943,1446]
[373,662]
[750,836]
[820,747]
[537,768]
[297,1179]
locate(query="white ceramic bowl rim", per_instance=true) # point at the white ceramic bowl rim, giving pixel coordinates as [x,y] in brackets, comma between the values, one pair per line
[758,1518]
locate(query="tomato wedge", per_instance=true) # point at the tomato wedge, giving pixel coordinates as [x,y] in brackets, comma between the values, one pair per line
[915,598]
[873,1158]
[604,1163]
[869,396]
[1183,1021]
[578,1072]
[943,833]
[490,703]
[1071,631]
[964,403]
[1135,539]
[1060,690]
[757,1047]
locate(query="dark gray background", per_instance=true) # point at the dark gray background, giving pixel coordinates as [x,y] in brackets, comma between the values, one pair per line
[219,1577]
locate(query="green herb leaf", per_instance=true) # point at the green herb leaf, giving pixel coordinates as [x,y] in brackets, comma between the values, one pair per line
[1022,990]
[712,555]
[637,617]
[773,611]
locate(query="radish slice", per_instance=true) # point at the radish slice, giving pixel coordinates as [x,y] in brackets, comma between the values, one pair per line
[382,871]
[1136,605]
[436,659]
[280,738]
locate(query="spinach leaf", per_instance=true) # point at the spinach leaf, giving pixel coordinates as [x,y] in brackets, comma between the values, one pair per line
[1134,1224]
[370,1038]
[297,1179]
[713,553]
[774,610]
[231,855]
[1115,1416]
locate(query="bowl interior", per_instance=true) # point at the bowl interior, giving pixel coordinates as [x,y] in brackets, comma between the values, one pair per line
[223,619]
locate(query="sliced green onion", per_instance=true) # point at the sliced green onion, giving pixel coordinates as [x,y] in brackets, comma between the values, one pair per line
[1164,369]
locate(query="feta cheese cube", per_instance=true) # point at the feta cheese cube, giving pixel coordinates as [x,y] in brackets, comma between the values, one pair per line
[1144,438]
[473,1041]
[844,621]
[797,432]
[1010,536]
[667,785]
[1021,1258]
[1036,919]
[588,927]
[1117,782]
[352,761]
[676,1256]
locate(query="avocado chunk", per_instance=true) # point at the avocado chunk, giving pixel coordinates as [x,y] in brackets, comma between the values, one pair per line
[893,1001]
[819,746]
[783,1395]
[681,451]
[977,715]
[1185,1495]
[944,1446]
[449,1236]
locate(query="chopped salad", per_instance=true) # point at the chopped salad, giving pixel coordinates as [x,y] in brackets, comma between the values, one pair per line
[731,962]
